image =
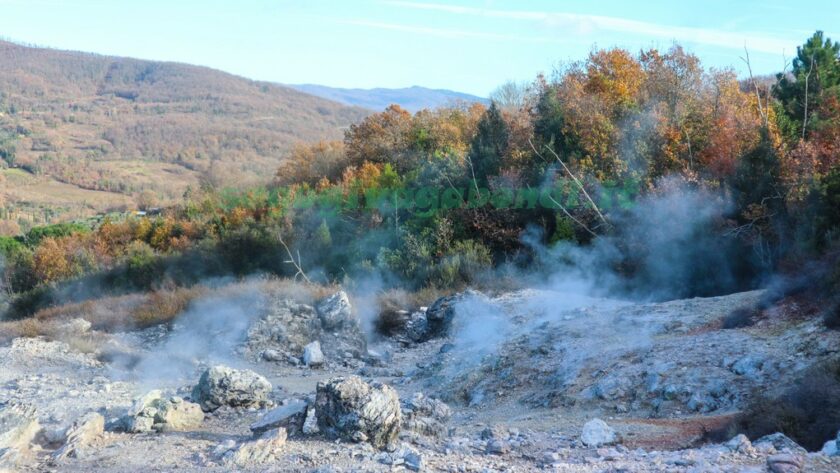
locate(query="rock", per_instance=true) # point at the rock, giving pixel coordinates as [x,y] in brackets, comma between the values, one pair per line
[312,355]
[18,428]
[425,416]
[358,411]
[152,412]
[497,447]
[178,415]
[287,415]
[336,312]
[273,355]
[740,443]
[749,366]
[780,442]
[223,386]
[784,463]
[412,459]
[596,433]
[310,424]
[81,434]
[439,316]
[260,451]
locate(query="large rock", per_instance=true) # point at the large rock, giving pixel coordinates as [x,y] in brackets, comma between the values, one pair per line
[18,429]
[336,312]
[222,386]
[288,415]
[779,442]
[438,318]
[81,435]
[597,433]
[260,451]
[425,416]
[312,354]
[152,412]
[358,411]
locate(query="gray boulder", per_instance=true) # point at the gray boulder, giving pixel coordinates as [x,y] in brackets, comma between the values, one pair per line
[259,451]
[288,415]
[425,416]
[597,433]
[779,442]
[312,354]
[336,312]
[152,412]
[223,386]
[355,410]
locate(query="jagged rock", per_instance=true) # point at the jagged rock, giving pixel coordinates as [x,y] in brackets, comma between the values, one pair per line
[151,412]
[18,428]
[312,355]
[780,442]
[336,312]
[178,415]
[224,386]
[81,434]
[425,416]
[596,433]
[287,415]
[310,424]
[260,451]
[358,411]
[784,463]
[740,443]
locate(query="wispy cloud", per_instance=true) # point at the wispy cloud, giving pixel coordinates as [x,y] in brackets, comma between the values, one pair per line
[586,24]
[448,33]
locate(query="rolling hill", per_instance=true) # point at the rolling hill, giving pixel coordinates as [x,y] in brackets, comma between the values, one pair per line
[112,127]
[410,98]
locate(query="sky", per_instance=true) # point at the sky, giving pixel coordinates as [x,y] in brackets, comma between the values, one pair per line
[468,46]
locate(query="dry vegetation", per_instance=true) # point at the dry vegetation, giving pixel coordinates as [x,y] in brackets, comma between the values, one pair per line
[127,126]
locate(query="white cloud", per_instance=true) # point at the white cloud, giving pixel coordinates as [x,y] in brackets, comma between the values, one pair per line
[448,33]
[586,24]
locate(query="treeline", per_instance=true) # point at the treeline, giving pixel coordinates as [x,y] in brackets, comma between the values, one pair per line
[616,120]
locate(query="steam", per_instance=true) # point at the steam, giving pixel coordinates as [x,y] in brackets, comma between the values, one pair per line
[668,246]
[207,333]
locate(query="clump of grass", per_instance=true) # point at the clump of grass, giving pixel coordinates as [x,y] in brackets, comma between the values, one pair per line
[163,306]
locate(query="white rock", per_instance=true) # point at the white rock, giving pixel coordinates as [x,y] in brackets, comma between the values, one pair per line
[279,416]
[312,354]
[596,433]
[258,452]
[81,434]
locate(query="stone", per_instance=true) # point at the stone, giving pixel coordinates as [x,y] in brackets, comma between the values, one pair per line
[18,428]
[350,408]
[81,434]
[740,443]
[178,415]
[497,447]
[273,355]
[425,416]
[336,312]
[596,432]
[310,424]
[830,448]
[151,412]
[223,386]
[784,463]
[287,415]
[780,442]
[260,451]
[312,355]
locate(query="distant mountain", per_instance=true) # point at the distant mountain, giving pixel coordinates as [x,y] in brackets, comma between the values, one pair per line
[410,98]
[119,126]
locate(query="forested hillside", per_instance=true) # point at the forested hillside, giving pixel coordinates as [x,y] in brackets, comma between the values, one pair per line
[142,129]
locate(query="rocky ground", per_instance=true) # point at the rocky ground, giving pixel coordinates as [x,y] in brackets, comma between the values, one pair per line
[531,380]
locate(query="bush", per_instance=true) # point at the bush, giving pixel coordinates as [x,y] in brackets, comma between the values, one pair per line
[808,412]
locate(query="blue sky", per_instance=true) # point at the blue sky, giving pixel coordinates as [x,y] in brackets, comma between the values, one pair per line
[470,46]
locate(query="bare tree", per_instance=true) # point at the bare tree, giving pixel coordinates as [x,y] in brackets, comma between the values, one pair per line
[510,96]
